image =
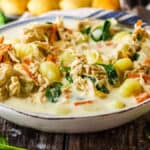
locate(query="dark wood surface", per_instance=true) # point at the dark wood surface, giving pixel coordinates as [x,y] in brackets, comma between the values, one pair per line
[126,137]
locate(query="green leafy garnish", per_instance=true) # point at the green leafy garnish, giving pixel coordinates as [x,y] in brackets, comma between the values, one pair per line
[69,78]
[48,22]
[53,92]
[135,57]
[139,37]
[4,19]
[111,73]
[5,146]
[66,70]
[89,77]
[86,30]
[102,33]
[102,88]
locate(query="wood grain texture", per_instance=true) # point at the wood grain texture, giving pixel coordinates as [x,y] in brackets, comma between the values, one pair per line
[126,137]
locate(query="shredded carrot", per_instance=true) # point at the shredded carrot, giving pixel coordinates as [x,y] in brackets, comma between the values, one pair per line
[53,33]
[142,97]
[137,75]
[25,67]
[139,23]
[51,58]
[134,75]
[27,60]
[1,39]
[147,61]
[1,58]
[146,77]
[83,102]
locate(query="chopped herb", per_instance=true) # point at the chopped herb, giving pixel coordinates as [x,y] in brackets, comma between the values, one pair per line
[5,146]
[48,22]
[102,33]
[86,30]
[53,92]
[67,73]
[102,88]
[147,130]
[64,68]
[89,77]
[139,37]
[68,77]
[4,19]
[111,73]
[135,57]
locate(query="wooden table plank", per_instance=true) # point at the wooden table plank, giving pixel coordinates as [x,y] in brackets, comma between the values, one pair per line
[126,137]
[29,138]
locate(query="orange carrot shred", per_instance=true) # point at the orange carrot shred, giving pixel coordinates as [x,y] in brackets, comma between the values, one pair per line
[27,60]
[134,75]
[53,33]
[1,58]
[147,61]
[83,102]
[25,67]
[1,39]
[139,23]
[142,97]
[51,58]
[146,77]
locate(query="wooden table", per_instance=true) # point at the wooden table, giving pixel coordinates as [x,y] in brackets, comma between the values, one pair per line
[126,137]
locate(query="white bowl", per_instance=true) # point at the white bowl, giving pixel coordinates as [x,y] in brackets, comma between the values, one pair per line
[69,124]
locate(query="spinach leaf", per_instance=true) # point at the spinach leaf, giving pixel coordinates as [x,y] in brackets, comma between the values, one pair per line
[139,37]
[69,78]
[135,57]
[86,30]
[4,19]
[53,91]
[111,73]
[102,33]
[102,88]
[66,70]
[89,77]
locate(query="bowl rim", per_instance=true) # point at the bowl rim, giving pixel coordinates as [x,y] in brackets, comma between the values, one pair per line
[49,116]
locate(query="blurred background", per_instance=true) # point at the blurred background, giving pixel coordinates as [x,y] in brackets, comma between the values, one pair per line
[39,7]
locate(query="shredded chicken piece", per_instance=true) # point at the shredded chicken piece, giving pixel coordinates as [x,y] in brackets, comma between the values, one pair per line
[14,87]
[37,32]
[3,93]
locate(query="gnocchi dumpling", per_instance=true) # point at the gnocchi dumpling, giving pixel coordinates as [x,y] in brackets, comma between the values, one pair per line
[93,57]
[124,64]
[26,50]
[67,57]
[119,36]
[118,104]
[50,70]
[63,110]
[130,87]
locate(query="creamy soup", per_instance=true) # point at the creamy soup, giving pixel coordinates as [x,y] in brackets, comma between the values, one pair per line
[74,67]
